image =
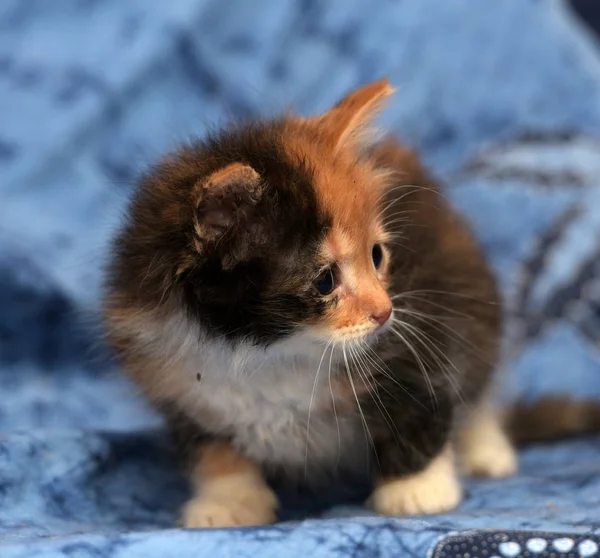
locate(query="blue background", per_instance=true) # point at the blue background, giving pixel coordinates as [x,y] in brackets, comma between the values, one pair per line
[501,98]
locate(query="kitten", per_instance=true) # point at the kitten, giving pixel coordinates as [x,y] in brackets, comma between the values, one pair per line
[301,303]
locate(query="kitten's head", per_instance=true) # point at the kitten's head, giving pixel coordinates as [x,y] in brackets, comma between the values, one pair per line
[266,231]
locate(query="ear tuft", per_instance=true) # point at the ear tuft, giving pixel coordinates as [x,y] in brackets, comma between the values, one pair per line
[346,122]
[223,199]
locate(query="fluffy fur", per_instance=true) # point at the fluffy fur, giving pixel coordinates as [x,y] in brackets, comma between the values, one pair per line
[219,306]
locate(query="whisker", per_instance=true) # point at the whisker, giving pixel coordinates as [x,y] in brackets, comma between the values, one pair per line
[364,420]
[373,391]
[401,212]
[310,404]
[402,245]
[420,362]
[438,324]
[388,224]
[387,373]
[449,293]
[337,422]
[422,300]
[389,191]
[428,343]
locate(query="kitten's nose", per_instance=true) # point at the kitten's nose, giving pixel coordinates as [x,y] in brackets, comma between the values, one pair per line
[382,316]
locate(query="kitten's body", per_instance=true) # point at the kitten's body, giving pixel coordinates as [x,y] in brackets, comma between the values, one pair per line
[220,307]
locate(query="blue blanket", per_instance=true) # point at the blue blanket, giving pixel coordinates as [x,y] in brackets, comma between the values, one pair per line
[503,100]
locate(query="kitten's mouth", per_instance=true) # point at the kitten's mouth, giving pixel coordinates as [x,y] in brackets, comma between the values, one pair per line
[375,332]
[365,334]
[379,330]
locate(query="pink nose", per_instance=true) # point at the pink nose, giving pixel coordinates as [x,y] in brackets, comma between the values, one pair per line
[382,316]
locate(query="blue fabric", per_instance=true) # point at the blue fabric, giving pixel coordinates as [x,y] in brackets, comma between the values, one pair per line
[502,99]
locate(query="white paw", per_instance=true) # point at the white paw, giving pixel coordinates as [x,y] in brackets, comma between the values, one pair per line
[484,450]
[437,489]
[256,507]
[493,458]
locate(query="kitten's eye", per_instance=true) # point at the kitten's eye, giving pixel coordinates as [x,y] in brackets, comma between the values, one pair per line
[377,255]
[325,283]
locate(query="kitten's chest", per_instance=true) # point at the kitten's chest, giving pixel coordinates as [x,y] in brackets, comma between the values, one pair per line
[291,419]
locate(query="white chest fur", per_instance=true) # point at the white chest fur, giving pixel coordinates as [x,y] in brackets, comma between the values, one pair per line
[276,406]
[277,409]
[278,416]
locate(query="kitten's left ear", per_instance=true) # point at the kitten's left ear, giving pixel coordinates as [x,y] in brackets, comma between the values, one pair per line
[224,201]
[346,122]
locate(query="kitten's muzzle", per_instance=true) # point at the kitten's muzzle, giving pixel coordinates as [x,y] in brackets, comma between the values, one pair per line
[382,316]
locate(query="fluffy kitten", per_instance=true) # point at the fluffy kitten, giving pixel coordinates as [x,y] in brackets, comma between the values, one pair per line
[297,302]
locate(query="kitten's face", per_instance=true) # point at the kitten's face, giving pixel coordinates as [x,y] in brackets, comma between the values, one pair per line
[298,247]
[269,231]
[353,258]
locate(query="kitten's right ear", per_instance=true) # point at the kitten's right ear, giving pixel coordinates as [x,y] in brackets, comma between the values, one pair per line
[223,199]
[347,121]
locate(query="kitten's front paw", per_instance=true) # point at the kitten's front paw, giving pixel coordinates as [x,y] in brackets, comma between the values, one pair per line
[202,513]
[244,509]
[437,489]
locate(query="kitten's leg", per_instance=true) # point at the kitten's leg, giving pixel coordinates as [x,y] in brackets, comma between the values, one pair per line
[229,491]
[417,471]
[482,445]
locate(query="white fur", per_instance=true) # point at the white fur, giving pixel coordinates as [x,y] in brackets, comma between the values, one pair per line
[269,414]
[436,489]
[262,398]
[484,448]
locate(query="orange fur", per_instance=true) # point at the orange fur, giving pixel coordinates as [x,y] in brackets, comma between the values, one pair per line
[347,121]
[219,459]
[226,176]
[351,192]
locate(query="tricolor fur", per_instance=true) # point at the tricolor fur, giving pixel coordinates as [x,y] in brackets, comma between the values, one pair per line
[306,302]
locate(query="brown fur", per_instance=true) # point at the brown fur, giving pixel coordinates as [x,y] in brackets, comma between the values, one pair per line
[552,418]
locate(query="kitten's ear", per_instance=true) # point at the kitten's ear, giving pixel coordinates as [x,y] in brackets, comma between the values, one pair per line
[223,199]
[346,122]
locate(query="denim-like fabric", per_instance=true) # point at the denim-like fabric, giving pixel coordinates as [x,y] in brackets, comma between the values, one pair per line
[503,101]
